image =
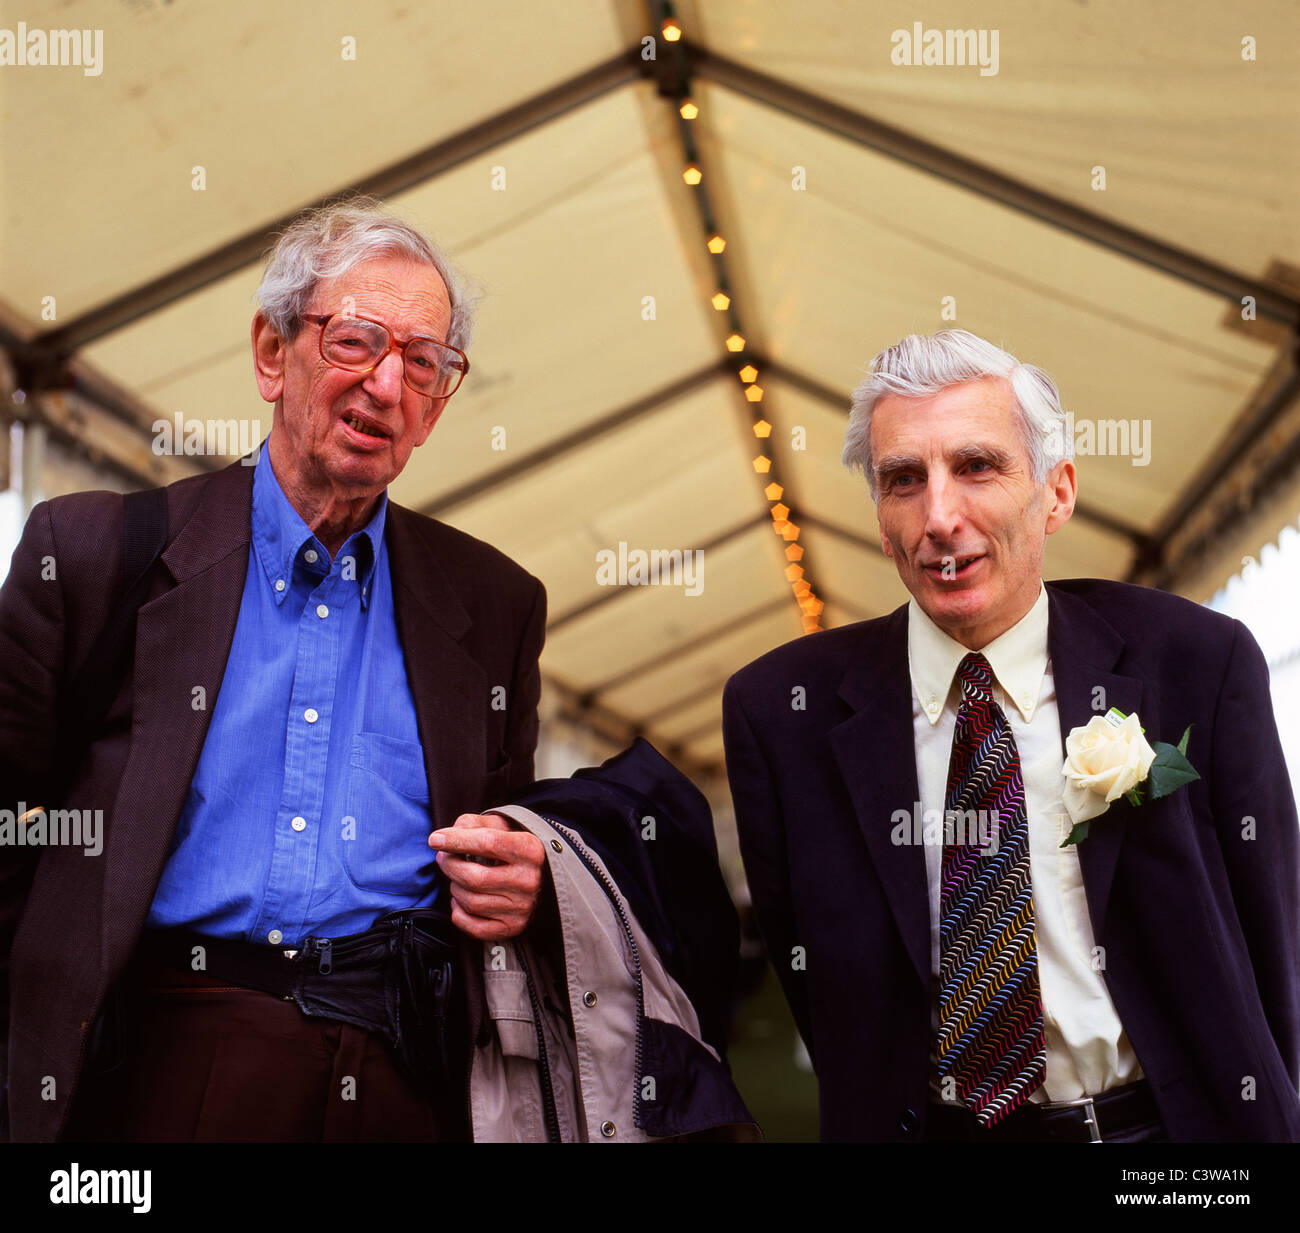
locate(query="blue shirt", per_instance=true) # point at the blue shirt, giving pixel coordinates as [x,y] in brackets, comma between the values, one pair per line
[309,809]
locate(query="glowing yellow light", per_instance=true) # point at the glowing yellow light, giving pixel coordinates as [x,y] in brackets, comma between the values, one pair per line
[689,110]
[778,524]
[748,373]
[773,491]
[716,244]
[735,343]
[671,30]
[692,174]
[794,572]
[762,465]
[721,301]
[762,429]
[802,587]
[754,393]
[780,512]
[790,531]
[794,553]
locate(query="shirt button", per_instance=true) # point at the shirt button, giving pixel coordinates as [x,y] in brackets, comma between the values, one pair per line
[279,584]
[310,715]
[322,611]
[299,824]
[932,705]
[589,999]
[310,556]
[275,937]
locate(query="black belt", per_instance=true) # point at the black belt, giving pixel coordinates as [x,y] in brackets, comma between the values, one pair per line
[396,979]
[1094,1119]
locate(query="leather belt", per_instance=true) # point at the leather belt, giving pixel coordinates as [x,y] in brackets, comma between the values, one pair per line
[397,979]
[1091,1119]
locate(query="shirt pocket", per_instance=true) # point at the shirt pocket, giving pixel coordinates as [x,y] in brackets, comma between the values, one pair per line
[386,830]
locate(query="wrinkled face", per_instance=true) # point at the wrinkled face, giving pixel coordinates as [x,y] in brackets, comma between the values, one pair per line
[320,406]
[960,514]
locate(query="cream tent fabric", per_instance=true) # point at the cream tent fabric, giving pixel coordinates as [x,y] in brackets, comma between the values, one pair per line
[544,151]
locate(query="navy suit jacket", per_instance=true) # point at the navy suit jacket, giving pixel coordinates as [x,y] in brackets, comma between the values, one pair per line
[1195,898]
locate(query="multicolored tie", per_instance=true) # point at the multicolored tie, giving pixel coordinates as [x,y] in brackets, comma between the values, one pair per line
[990,1004]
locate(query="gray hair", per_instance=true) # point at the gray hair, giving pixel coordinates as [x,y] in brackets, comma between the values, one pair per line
[923,364]
[330,240]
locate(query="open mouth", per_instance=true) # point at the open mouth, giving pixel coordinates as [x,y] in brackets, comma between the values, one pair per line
[953,569]
[365,428]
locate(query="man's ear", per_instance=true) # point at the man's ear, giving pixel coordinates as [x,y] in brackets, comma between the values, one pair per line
[430,419]
[268,358]
[1062,488]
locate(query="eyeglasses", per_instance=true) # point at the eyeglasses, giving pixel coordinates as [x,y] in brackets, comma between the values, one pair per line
[356,344]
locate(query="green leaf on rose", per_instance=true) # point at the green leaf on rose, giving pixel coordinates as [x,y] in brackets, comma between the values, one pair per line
[1078,833]
[1170,770]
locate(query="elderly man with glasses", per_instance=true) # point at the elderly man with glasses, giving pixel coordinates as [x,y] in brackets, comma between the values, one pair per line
[318,672]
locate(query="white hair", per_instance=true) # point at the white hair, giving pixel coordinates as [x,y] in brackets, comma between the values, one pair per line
[330,240]
[923,364]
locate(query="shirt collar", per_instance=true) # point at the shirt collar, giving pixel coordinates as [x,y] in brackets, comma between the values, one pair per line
[1017,657]
[282,538]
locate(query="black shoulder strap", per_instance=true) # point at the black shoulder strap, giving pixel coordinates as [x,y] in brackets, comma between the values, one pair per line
[144,535]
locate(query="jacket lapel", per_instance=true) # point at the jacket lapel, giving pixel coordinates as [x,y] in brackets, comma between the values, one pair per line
[450,687]
[876,756]
[183,639]
[1084,651]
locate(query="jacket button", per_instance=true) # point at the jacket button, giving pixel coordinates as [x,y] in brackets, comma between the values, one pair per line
[556,845]
[607,1129]
[589,998]
[909,1121]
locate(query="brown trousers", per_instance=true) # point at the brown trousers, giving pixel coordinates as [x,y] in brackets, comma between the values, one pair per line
[206,1061]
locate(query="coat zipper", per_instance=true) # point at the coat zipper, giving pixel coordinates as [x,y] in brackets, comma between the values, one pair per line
[544,1062]
[611,891]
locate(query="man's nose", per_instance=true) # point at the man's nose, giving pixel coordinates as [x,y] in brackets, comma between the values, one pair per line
[943,513]
[384,382]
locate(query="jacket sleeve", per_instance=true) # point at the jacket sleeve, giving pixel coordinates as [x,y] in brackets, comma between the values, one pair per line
[1255,814]
[525,693]
[31,657]
[761,827]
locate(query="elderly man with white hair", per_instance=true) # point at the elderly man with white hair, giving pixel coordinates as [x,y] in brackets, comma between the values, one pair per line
[1024,854]
[319,673]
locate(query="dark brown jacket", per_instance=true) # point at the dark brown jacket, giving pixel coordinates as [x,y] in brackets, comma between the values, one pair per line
[469,620]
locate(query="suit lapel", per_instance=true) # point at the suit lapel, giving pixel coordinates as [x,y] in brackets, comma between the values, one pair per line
[1084,651]
[876,756]
[183,639]
[450,687]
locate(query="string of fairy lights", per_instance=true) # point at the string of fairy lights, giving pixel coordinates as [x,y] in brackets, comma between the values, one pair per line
[766,465]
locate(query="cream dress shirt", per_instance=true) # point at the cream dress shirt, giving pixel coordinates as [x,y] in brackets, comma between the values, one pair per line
[1087,1049]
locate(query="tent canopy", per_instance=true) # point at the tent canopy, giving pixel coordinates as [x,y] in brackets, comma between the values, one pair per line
[1100,206]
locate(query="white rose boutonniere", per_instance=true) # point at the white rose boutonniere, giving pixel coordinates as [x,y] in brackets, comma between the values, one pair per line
[1110,758]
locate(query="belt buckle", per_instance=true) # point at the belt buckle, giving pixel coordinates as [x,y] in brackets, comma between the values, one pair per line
[1090,1119]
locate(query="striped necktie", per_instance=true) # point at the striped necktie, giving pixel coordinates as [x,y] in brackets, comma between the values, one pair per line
[990,1005]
